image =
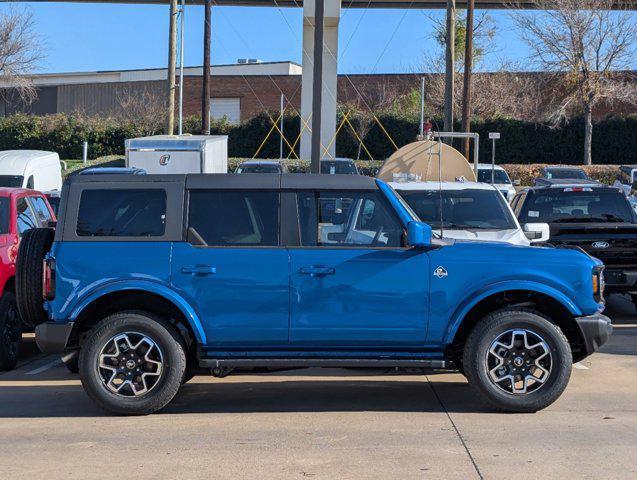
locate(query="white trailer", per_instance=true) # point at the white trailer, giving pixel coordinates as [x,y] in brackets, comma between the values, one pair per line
[178,153]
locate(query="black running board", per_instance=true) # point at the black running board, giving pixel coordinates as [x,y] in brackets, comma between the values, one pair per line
[322,362]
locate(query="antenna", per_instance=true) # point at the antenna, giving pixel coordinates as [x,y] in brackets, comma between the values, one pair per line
[442,228]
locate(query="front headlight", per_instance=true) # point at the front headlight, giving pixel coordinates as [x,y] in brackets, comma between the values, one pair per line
[598,284]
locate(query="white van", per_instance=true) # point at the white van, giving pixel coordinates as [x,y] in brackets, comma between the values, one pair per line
[34,169]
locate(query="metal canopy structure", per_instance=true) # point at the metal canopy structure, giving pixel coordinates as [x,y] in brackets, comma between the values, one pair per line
[417,4]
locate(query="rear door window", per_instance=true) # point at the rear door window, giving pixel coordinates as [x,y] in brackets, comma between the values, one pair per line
[223,218]
[122,213]
[26,217]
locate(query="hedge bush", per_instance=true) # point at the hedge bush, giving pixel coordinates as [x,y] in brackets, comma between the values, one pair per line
[614,139]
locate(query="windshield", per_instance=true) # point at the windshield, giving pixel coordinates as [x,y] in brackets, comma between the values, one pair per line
[461,209]
[11,180]
[500,176]
[259,168]
[577,205]
[333,167]
[569,173]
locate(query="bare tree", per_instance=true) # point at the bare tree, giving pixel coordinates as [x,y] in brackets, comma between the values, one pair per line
[20,53]
[504,93]
[364,103]
[144,109]
[584,43]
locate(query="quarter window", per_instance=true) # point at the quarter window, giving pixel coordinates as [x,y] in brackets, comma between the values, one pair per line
[342,219]
[26,219]
[122,213]
[41,210]
[233,218]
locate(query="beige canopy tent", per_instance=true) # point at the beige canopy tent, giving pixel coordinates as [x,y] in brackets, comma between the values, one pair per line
[420,159]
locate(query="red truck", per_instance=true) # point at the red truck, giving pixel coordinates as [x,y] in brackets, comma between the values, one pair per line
[20,210]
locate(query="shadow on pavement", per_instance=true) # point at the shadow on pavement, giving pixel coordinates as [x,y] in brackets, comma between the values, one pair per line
[41,400]
[623,341]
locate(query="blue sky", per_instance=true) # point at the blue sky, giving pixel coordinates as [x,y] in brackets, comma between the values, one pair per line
[81,37]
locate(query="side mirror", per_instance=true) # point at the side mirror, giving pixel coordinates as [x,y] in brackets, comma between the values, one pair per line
[419,234]
[537,232]
[517,182]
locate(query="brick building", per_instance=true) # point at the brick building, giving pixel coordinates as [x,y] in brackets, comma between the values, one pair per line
[238,91]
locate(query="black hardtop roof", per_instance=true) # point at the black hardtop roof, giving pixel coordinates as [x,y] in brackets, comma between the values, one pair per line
[238,181]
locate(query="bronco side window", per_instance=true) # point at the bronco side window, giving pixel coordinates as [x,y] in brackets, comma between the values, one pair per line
[347,219]
[233,218]
[122,213]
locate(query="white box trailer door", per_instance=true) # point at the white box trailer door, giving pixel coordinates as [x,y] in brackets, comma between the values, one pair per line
[165,162]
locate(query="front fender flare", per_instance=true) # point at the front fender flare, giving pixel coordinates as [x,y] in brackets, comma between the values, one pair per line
[144,286]
[493,289]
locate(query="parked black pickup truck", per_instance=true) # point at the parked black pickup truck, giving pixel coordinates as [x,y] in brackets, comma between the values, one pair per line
[597,218]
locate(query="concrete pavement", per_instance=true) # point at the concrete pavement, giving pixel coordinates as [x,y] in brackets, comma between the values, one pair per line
[327,424]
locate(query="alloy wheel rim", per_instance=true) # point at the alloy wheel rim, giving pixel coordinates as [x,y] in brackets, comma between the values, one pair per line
[130,364]
[519,361]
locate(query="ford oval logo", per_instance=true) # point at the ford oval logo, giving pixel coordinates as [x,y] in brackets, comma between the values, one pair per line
[600,245]
[164,160]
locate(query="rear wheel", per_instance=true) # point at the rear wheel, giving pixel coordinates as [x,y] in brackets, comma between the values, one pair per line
[517,360]
[10,332]
[132,363]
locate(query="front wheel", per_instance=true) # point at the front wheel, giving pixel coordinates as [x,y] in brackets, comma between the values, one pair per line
[132,363]
[517,360]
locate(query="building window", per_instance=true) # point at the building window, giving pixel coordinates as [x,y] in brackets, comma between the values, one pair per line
[226,107]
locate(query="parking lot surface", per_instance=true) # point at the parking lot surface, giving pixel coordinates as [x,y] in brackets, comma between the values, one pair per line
[327,424]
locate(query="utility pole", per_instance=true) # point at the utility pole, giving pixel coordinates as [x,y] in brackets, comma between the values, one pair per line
[317,85]
[205,94]
[182,25]
[450,54]
[468,74]
[172,60]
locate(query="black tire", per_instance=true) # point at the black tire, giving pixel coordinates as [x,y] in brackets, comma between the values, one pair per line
[71,361]
[166,338]
[34,245]
[495,326]
[10,332]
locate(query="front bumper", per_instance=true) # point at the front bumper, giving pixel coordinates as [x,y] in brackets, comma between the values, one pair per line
[52,337]
[595,331]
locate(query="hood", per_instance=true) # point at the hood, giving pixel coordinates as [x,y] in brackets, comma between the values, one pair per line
[515,237]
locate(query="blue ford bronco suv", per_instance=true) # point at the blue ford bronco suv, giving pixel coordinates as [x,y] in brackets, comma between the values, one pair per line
[150,279]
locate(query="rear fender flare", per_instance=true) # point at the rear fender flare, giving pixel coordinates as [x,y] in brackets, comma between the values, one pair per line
[151,287]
